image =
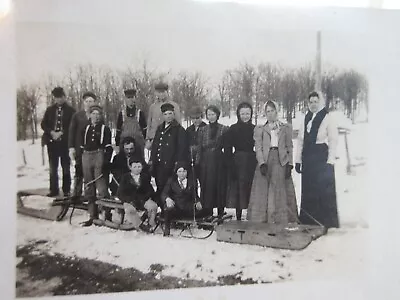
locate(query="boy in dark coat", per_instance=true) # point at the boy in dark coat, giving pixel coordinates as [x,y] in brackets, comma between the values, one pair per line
[136,191]
[120,163]
[169,146]
[180,197]
[55,124]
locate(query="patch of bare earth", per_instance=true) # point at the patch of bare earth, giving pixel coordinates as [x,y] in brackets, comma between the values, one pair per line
[41,274]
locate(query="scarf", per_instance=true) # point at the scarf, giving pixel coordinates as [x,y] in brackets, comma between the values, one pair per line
[213,130]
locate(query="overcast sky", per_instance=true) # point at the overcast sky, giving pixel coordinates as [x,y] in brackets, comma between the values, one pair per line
[184,35]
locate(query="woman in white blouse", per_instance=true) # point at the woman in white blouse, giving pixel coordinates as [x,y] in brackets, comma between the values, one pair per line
[272,198]
[315,158]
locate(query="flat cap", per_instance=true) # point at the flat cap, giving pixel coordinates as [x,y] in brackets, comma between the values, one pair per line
[130,93]
[161,86]
[167,107]
[96,107]
[89,95]
[196,112]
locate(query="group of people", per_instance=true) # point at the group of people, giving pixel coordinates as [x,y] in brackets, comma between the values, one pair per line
[242,166]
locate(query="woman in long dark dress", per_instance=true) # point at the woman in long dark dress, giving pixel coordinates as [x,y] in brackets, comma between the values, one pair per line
[212,162]
[315,158]
[243,161]
[273,198]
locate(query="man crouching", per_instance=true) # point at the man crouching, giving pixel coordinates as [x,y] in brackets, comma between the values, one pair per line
[135,191]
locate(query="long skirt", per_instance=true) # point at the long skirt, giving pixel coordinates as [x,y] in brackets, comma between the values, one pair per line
[273,198]
[239,186]
[213,179]
[318,196]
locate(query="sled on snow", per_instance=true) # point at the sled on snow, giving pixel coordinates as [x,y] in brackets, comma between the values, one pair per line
[290,236]
[197,228]
[113,204]
[54,210]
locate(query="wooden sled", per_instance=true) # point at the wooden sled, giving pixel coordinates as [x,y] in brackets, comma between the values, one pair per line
[52,213]
[200,228]
[113,203]
[292,236]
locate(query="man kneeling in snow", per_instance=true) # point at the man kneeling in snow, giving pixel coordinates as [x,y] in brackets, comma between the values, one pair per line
[136,191]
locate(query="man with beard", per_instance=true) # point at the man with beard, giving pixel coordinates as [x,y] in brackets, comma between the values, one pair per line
[131,122]
[155,117]
[55,124]
[120,163]
[169,146]
[79,122]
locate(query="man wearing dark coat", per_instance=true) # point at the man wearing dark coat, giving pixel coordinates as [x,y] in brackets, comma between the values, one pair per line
[135,191]
[120,162]
[169,146]
[55,124]
[180,197]
[192,132]
[79,122]
[131,122]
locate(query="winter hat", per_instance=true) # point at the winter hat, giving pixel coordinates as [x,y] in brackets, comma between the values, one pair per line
[96,107]
[130,93]
[161,86]
[180,164]
[89,94]
[58,92]
[196,112]
[167,107]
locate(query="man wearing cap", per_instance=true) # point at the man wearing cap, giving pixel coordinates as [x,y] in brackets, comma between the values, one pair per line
[55,124]
[169,146]
[155,117]
[196,114]
[97,151]
[131,122]
[79,122]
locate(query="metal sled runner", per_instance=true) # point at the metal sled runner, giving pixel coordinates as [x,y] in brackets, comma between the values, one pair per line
[56,210]
[198,228]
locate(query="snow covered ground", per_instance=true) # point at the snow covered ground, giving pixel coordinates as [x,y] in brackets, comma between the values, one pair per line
[340,253]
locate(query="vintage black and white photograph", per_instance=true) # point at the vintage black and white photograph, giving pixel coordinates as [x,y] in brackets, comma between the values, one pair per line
[177,144]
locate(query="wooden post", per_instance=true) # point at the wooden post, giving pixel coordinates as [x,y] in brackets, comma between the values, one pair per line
[23,156]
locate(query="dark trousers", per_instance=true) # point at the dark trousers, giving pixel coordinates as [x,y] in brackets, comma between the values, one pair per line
[162,175]
[59,151]
[78,178]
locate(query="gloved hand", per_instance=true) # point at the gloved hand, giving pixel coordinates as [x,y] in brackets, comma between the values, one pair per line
[264,169]
[288,173]
[298,168]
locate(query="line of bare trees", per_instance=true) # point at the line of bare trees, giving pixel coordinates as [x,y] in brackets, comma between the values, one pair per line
[252,83]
